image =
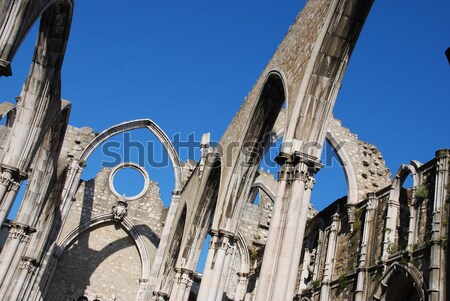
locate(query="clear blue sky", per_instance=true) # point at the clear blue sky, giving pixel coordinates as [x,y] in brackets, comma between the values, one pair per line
[188,65]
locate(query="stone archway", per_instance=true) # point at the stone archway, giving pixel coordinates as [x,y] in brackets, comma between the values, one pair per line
[401,283]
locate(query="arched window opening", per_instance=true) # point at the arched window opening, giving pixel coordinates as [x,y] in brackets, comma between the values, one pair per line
[140,147]
[203,254]
[330,180]
[401,288]
[18,201]
[12,85]
[405,203]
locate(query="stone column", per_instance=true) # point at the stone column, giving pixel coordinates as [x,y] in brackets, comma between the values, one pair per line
[19,234]
[329,260]
[182,285]
[285,238]
[412,229]
[226,272]
[318,255]
[219,256]
[27,267]
[437,280]
[390,225]
[10,181]
[155,273]
[362,265]
[305,272]
[206,278]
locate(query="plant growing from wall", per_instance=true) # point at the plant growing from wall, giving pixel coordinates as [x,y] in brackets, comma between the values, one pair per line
[392,248]
[357,223]
[315,283]
[421,192]
[342,282]
[443,242]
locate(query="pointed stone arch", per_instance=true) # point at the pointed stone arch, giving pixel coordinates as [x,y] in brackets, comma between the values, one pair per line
[399,274]
[127,224]
[138,124]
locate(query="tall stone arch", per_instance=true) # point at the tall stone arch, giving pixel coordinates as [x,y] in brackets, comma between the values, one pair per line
[401,282]
[138,124]
[97,223]
[40,99]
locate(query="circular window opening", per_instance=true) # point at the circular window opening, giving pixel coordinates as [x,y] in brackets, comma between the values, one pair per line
[129,180]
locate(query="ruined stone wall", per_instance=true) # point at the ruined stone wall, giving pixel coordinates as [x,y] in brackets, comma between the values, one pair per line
[349,242]
[104,259]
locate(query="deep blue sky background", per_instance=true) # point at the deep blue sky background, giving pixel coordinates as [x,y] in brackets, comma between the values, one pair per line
[188,65]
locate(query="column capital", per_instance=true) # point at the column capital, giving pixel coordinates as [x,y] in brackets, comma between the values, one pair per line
[17,174]
[298,166]
[5,68]
[29,263]
[160,296]
[21,231]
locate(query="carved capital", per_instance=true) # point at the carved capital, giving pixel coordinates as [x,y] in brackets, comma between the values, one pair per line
[28,263]
[21,232]
[298,166]
[160,296]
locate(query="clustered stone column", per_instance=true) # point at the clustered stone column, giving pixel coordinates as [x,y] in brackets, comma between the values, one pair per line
[304,275]
[329,259]
[391,223]
[437,284]
[182,285]
[362,265]
[285,238]
[27,268]
[221,250]
[412,228]
[10,181]
[18,238]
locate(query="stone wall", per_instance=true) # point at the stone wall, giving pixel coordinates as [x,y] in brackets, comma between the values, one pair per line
[104,260]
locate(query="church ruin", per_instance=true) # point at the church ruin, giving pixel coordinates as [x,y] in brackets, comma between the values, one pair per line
[78,240]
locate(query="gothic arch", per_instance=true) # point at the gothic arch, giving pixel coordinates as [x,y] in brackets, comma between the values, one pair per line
[264,189]
[349,170]
[58,13]
[242,248]
[138,124]
[134,233]
[410,273]
[344,157]
[40,97]
[400,177]
[233,191]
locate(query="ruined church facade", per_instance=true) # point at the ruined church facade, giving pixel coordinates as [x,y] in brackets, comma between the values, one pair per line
[76,239]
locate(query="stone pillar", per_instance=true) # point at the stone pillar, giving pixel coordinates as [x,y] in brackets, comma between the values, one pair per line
[219,256]
[285,238]
[10,181]
[329,260]
[412,228]
[390,225]
[437,279]
[362,265]
[318,255]
[304,275]
[226,272]
[203,292]
[27,267]
[182,285]
[18,235]
[155,273]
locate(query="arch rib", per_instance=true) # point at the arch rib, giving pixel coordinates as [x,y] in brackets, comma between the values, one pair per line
[138,124]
